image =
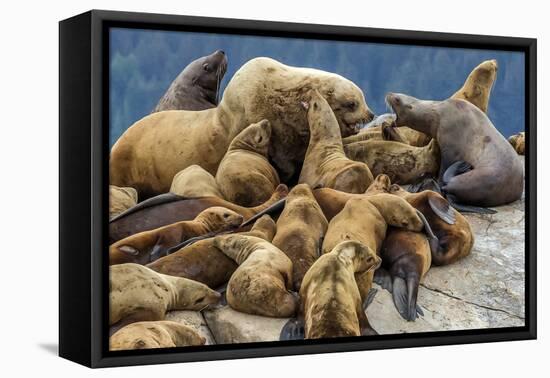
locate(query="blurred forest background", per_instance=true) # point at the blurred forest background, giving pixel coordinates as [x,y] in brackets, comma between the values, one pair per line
[143,63]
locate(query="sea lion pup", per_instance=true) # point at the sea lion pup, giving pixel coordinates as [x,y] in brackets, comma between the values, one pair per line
[518,142]
[193,182]
[245,176]
[137,293]
[325,164]
[478,85]
[366,219]
[455,235]
[121,199]
[261,283]
[202,262]
[147,157]
[300,231]
[331,304]
[478,166]
[197,87]
[158,334]
[170,208]
[404,164]
[148,246]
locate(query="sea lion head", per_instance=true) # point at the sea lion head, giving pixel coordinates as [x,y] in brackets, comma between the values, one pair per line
[381,184]
[207,73]
[478,85]
[239,247]
[418,114]
[361,256]
[396,211]
[219,218]
[254,138]
[300,191]
[265,228]
[193,295]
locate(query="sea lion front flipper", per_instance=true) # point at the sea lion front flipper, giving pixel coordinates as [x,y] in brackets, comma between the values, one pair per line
[432,239]
[442,209]
[404,297]
[153,201]
[425,183]
[277,206]
[383,278]
[467,208]
[369,298]
[455,169]
[293,330]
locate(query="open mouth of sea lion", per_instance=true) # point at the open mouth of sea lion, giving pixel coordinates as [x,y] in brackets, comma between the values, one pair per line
[353,128]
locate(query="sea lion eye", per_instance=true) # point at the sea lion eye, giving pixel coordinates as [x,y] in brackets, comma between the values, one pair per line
[351,105]
[225,215]
[206,67]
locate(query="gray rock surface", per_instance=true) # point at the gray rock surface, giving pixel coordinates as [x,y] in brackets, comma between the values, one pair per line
[193,319]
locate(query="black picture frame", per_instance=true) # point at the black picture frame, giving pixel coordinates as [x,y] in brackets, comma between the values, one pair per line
[83,196]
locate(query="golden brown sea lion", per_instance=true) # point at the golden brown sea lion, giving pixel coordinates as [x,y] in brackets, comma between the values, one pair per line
[137,293]
[261,283]
[156,334]
[245,176]
[325,164]
[148,246]
[169,208]
[404,164]
[194,182]
[203,262]
[477,87]
[300,231]
[331,304]
[121,199]
[518,142]
[147,156]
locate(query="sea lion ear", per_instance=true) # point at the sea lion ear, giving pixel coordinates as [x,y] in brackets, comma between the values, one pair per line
[128,249]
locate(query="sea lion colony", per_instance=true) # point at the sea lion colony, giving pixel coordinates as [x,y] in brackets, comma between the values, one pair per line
[346,222]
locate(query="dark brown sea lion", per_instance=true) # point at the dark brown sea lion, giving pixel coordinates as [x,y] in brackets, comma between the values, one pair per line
[197,87]
[478,166]
[245,176]
[203,262]
[518,142]
[261,283]
[156,334]
[148,246]
[170,208]
[325,163]
[477,87]
[300,231]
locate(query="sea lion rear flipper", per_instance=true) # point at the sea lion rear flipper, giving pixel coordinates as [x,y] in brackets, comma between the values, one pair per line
[293,330]
[442,209]
[153,201]
[467,208]
[276,207]
[369,298]
[404,297]
[455,169]
[382,277]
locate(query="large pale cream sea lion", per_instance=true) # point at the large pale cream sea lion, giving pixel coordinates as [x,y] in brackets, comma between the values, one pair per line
[121,199]
[300,231]
[155,334]
[147,157]
[478,165]
[261,283]
[245,176]
[137,293]
[478,85]
[325,163]
[194,182]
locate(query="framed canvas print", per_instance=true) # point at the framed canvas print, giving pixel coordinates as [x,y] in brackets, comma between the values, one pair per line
[233,188]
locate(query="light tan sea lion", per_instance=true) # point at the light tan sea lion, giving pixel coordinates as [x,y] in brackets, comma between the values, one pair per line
[137,293]
[518,142]
[147,157]
[157,334]
[300,231]
[245,176]
[331,304]
[121,199]
[261,283]
[203,262]
[404,164]
[147,246]
[477,87]
[325,164]
[194,181]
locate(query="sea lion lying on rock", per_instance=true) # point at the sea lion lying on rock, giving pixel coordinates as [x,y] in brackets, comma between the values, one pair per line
[245,176]
[158,334]
[121,199]
[300,231]
[261,283]
[137,293]
[478,166]
[155,148]
[170,208]
[404,164]
[478,85]
[194,182]
[325,164]
[203,262]
[518,142]
[197,87]
[148,246]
